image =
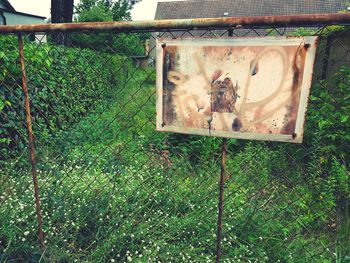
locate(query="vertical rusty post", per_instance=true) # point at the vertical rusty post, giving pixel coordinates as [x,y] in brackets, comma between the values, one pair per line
[221,198]
[221,187]
[31,141]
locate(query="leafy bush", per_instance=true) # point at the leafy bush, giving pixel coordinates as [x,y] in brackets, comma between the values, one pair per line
[329,113]
[65,84]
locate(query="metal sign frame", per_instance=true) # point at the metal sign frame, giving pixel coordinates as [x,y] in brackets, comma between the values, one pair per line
[309,44]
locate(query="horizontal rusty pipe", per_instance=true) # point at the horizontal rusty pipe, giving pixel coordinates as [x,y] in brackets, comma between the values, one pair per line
[198,23]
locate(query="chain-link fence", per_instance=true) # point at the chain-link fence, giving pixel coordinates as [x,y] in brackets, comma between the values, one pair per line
[112,189]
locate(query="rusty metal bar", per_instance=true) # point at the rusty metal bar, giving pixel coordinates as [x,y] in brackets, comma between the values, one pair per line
[188,24]
[221,191]
[31,142]
[221,199]
[326,58]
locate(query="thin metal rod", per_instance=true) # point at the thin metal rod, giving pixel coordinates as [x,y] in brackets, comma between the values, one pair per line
[31,141]
[221,198]
[326,57]
[186,24]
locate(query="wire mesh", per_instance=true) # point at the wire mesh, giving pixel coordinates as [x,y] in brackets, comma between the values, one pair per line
[113,189]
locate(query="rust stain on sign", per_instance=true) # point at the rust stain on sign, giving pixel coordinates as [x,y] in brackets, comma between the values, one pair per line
[249,88]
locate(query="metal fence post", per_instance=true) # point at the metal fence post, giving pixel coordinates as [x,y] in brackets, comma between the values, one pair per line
[221,189]
[221,198]
[31,141]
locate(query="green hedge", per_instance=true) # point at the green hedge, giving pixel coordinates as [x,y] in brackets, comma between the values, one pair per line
[65,85]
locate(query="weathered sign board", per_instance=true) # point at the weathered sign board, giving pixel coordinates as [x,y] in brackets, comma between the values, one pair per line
[248,88]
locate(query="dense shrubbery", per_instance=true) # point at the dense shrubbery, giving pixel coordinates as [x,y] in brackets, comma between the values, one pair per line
[108,11]
[128,44]
[65,85]
[329,117]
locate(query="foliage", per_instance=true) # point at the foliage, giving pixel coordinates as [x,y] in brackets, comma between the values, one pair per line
[127,200]
[64,85]
[104,10]
[131,204]
[107,11]
[330,111]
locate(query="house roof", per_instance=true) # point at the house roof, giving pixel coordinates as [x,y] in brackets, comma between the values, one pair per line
[8,5]
[23,14]
[218,8]
[10,9]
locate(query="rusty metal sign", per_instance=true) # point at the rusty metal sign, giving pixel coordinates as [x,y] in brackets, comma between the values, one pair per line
[247,88]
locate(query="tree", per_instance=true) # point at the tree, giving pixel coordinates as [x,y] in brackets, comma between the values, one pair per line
[61,12]
[68,10]
[107,11]
[104,10]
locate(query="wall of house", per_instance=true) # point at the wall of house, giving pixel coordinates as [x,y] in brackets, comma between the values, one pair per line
[2,20]
[19,19]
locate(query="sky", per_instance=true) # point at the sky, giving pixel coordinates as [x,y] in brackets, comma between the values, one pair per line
[145,10]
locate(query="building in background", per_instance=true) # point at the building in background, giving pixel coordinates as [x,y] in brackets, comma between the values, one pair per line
[223,8]
[9,16]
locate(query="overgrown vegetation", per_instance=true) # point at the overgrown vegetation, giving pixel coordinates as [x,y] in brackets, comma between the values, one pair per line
[65,85]
[108,11]
[114,190]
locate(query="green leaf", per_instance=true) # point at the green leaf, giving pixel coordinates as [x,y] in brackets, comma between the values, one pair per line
[344,118]
[5,140]
[322,123]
